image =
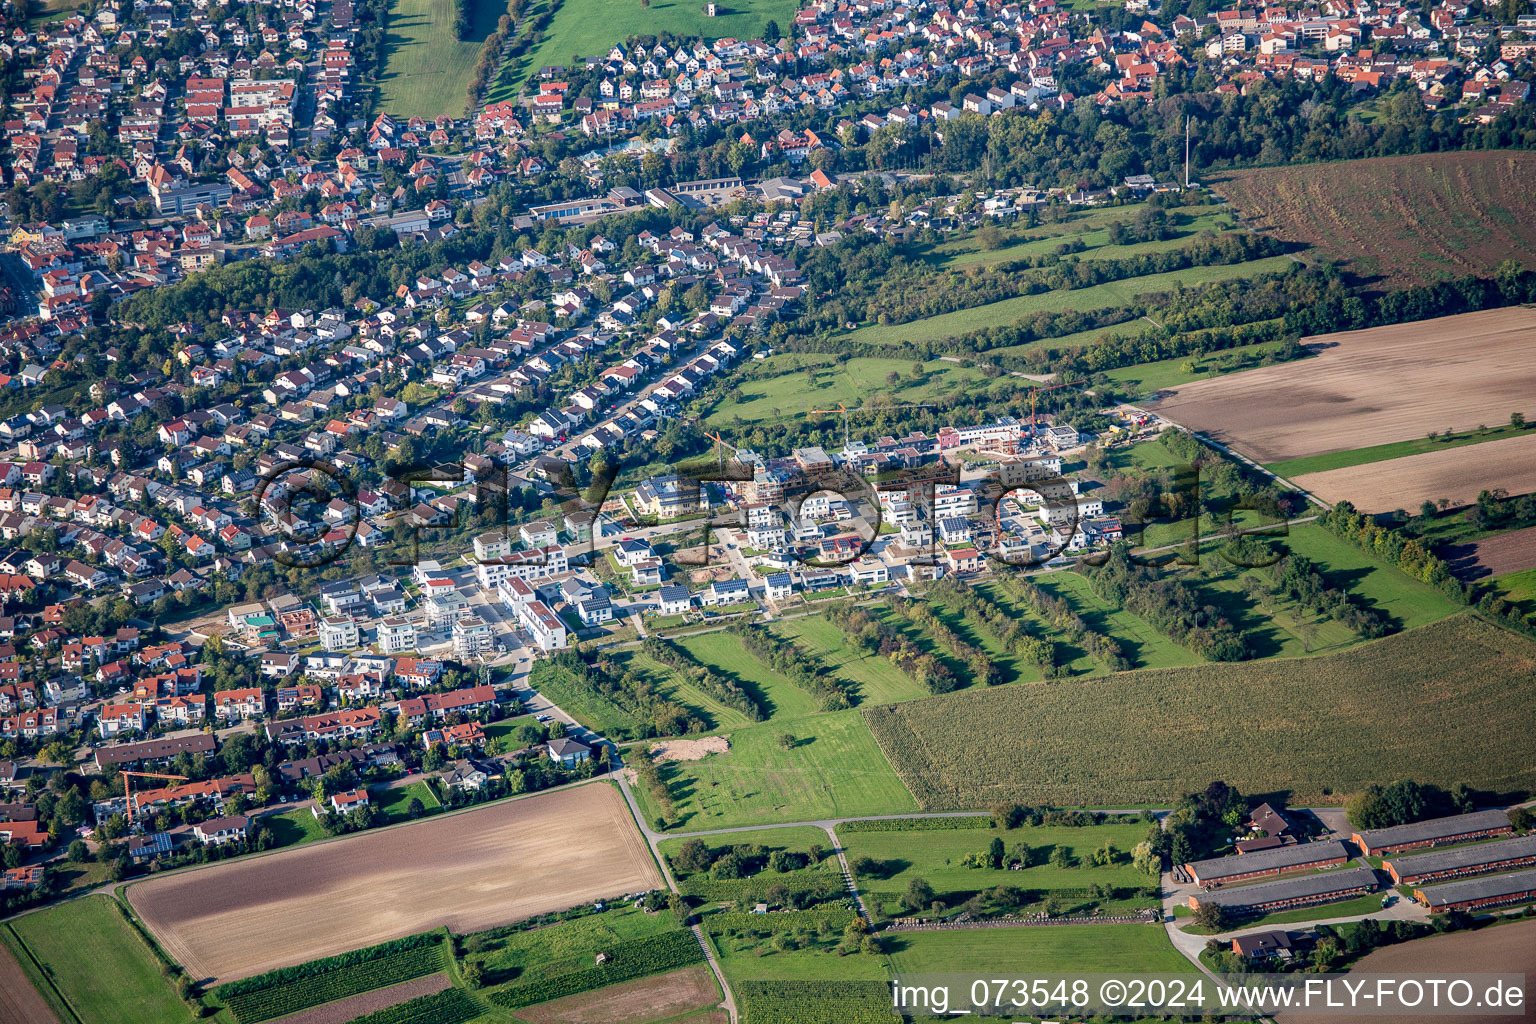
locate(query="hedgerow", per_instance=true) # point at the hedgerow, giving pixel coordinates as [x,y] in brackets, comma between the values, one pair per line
[789,659]
[450,1006]
[636,958]
[947,823]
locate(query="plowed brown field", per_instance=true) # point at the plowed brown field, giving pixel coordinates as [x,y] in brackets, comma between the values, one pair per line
[662,997]
[1403,220]
[20,1003]
[1373,387]
[1494,556]
[1455,473]
[468,871]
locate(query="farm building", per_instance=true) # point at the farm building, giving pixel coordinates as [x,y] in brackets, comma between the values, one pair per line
[1507,855]
[1292,892]
[1477,893]
[1261,945]
[1267,863]
[1458,828]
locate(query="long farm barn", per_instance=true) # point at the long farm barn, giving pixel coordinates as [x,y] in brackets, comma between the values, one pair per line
[1458,828]
[1280,860]
[1328,887]
[1463,861]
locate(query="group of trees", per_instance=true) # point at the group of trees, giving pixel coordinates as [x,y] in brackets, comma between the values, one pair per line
[1060,614]
[977,662]
[983,613]
[789,659]
[1171,604]
[1404,801]
[868,633]
[721,688]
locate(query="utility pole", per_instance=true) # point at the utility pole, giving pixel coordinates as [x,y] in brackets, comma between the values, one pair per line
[1188,120]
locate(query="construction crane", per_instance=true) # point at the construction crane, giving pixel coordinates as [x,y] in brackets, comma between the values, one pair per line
[128,778]
[720,447]
[1036,394]
[844,411]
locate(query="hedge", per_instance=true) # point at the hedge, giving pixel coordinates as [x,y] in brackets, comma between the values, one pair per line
[977,821]
[354,979]
[637,958]
[450,1006]
[313,968]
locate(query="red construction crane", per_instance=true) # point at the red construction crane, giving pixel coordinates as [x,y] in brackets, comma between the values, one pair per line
[128,778]
[1036,393]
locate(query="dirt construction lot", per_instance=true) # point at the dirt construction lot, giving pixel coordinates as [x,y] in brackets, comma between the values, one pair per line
[1455,473]
[1372,387]
[468,871]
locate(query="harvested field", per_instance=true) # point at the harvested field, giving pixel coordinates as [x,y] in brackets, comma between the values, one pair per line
[1315,726]
[1455,473]
[1508,552]
[689,750]
[1371,387]
[1400,220]
[344,1010]
[634,1002]
[20,1001]
[1502,949]
[489,867]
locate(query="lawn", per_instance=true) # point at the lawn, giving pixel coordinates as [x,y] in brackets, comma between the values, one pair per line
[99,964]
[1127,329]
[395,801]
[935,855]
[832,769]
[589,28]
[1316,728]
[1382,452]
[1106,948]
[1145,379]
[1007,311]
[426,70]
[1519,588]
[530,953]
[290,828]
[795,384]
[777,696]
[1189,222]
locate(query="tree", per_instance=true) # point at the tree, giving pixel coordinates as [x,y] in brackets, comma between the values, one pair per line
[787,740]
[694,855]
[1210,916]
[919,894]
[78,851]
[995,852]
[1521,819]
[473,972]
[415,808]
[1517,420]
